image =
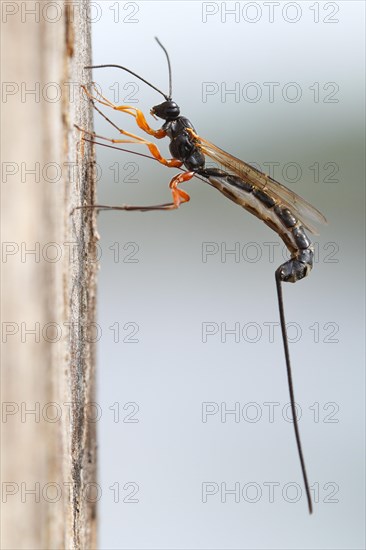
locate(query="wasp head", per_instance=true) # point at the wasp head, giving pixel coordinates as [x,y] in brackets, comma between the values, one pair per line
[168,110]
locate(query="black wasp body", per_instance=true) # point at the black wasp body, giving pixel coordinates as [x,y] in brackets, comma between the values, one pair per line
[182,145]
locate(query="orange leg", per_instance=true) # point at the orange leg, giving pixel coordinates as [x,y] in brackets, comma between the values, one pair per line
[171,163]
[139,116]
[179,197]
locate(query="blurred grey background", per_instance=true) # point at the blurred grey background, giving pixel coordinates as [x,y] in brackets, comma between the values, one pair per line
[298,69]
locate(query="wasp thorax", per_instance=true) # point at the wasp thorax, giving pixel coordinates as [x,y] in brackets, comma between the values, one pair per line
[168,110]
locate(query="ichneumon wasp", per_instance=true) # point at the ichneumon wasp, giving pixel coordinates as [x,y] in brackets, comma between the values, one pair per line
[278,207]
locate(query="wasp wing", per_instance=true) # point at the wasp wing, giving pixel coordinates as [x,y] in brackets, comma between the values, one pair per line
[303,210]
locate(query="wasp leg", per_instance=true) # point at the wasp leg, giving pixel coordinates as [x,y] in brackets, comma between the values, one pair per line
[139,115]
[140,141]
[179,197]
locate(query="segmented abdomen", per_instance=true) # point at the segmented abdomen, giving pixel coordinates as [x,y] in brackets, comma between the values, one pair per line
[271,212]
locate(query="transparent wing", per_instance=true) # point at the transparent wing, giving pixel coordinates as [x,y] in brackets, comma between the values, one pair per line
[303,210]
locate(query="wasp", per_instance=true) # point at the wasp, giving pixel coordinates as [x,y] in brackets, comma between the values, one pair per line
[289,215]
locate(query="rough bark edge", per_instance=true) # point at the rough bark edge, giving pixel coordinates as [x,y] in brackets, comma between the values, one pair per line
[80,292]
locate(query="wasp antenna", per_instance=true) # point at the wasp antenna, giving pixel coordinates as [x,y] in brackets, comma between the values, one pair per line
[169,66]
[128,71]
[291,388]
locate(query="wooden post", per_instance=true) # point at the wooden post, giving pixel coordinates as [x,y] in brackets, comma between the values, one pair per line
[48,280]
